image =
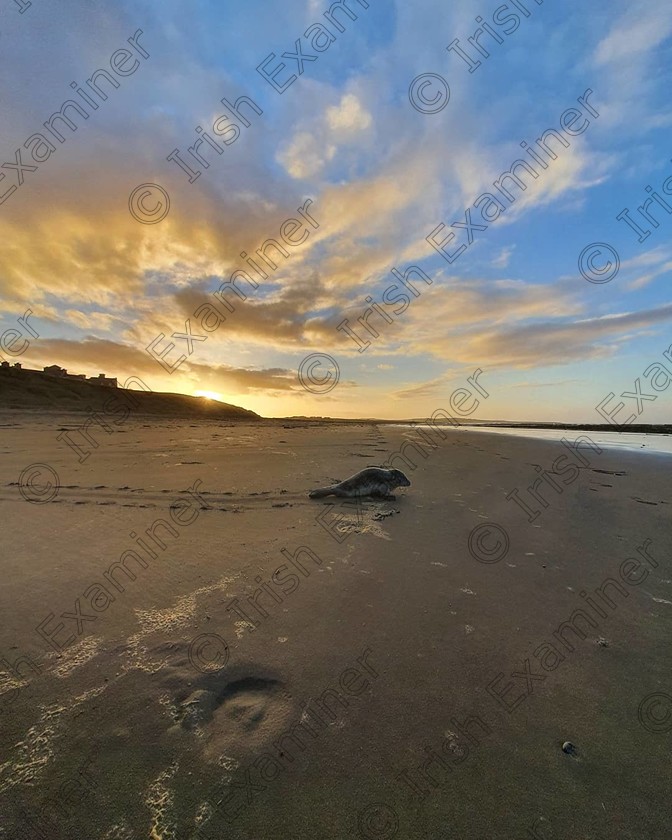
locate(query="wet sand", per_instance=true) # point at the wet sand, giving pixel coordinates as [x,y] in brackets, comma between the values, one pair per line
[273,666]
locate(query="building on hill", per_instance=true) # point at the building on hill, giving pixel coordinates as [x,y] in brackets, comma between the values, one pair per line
[101,379]
[16,366]
[62,373]
[55,370]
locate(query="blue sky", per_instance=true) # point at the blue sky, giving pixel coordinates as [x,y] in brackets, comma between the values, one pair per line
[381,175]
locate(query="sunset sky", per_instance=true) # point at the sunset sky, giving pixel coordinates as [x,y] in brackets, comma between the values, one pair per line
[381,176]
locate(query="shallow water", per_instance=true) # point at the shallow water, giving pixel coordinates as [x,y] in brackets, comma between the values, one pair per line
[635,442]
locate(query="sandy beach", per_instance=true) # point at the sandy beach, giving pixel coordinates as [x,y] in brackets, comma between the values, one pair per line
[199,650]
[335,431]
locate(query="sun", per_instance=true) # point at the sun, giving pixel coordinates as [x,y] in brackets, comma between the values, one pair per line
[209,395]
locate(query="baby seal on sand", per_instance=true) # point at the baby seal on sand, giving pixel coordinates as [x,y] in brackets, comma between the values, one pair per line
[373,481]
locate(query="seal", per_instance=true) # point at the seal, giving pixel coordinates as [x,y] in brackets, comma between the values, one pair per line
[373,481]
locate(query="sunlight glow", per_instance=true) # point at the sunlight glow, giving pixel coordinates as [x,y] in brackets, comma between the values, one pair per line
[209,395]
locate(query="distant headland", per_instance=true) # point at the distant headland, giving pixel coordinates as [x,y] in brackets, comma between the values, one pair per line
[53,390]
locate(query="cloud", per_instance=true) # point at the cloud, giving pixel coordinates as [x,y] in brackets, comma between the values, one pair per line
[549,343]
[103,321]
[534,385]
[316,144]
[348,116]
[644,279]
[306,155]
[502,259]
[627,58]
[93,355]
[424,389]
[637,32]
[658,262]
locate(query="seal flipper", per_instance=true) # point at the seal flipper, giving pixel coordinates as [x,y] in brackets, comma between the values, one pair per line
[320,493]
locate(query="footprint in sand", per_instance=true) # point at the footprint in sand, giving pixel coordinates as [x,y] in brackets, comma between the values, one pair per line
[241,713]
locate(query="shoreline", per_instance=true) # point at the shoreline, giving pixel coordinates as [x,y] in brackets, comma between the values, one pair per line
[468,424]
